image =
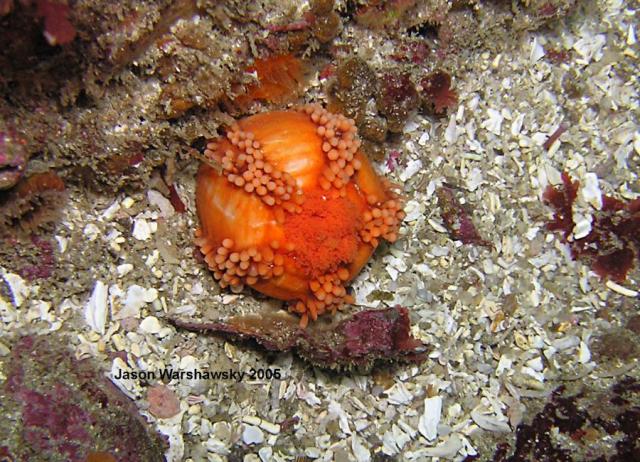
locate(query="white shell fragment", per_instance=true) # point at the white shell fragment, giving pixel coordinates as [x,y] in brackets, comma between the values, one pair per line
[95,311]
[141,229]
[136,298]
[412,168]
[448,449]
[157,199]
[584,355]
[150,325]
[489,422]
[493,122]
[252,435]
[537,51]
[124,269]
[398,394]
[582,226]
[622,290]
[428,424]
[19,290]
[590,191]
[361,453]
[589,47]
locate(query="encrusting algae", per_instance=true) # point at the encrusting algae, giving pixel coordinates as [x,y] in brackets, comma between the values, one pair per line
[290,206]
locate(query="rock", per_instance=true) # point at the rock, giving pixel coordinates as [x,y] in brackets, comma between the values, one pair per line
[58,408]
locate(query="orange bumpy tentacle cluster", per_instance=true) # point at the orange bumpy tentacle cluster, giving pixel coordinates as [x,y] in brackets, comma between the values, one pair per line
[295,209]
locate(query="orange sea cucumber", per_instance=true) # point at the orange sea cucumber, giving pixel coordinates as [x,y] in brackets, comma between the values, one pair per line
[294,208]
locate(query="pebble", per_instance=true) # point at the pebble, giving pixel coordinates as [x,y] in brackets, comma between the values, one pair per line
[221,431]
[91,231]
[163,402]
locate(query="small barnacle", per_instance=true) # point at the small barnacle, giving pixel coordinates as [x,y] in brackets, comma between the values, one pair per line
[437,93]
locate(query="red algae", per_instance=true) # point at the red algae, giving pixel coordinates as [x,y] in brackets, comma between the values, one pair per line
[612,245]
[562,201]
[70,411]
[58,30]
[438,93]
[456,219]
[175,200]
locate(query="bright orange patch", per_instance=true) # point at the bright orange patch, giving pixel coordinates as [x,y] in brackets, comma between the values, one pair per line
[279,78]
[324,234]
[290,206]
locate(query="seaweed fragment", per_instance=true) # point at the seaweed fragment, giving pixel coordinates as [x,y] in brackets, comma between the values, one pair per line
[398,97]
[356,341]
[437,93]
[612,245]
[456,219]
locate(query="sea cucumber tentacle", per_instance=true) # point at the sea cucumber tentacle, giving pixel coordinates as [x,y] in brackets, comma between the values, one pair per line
[340,143]
[244,165]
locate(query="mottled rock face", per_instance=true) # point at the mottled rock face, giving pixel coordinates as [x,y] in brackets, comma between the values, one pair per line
[13,160]
[57,408]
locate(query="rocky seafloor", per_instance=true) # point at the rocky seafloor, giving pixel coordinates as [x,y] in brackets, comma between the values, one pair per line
[501,326]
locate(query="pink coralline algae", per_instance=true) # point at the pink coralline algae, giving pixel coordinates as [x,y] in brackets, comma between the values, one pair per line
[359,341]
[45,265]
[612,245]
[57,408]
[393,160]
